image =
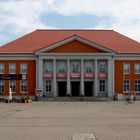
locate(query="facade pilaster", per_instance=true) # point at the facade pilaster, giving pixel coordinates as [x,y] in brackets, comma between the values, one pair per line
[68,78]
[110,77]
[96,79]
[82,78]
[54,78]
[39,73]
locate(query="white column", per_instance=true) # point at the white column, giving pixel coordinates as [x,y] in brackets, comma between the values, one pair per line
[96,79]
[54,78]
[110,77]
[68,78]
[39,80]
[82,78]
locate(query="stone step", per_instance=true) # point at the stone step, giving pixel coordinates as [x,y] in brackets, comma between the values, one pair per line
[74,99]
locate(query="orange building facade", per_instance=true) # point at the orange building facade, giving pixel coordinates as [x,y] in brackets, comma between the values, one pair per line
[70,63]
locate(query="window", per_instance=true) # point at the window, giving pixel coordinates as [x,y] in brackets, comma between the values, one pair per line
[61,67]
[48,86]
[102,85]
[48,67]
[75,68]
[1,68]
[137,68]
[23,68]
[126,86]
[12,68]
[88,67]
[12,85]
[137,85]
[126,68]
[23,86]
[1,86]
[102,67]
[88,70]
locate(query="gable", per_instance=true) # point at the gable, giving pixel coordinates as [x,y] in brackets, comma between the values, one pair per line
[75,47]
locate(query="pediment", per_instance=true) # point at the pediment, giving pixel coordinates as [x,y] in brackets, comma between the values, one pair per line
[75,44]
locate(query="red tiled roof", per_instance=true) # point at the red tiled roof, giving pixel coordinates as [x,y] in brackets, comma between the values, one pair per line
[43,38]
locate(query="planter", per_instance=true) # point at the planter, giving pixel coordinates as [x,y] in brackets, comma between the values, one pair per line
[29,101]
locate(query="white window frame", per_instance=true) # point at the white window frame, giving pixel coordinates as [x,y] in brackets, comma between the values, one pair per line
[126,84]
[2,86]
[102,67]
[12,85]
[137,68]
[12,68]
[23,84]
[88,67]
[48,86]
[23,68]
[48,67]
[101,86]
[75,68]
[126,68]
[137,85]
[61,67]
[2,70]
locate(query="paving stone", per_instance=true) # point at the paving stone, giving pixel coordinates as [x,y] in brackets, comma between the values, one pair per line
[60,120]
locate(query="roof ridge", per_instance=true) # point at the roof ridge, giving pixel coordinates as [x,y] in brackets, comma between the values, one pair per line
[74,30]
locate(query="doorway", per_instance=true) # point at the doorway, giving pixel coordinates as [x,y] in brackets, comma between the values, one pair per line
[62,88]
[88,88]
[75,89]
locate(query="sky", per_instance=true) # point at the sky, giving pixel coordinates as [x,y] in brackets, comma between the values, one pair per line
[19,17]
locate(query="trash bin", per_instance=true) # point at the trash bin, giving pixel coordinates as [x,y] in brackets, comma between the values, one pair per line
[115,97]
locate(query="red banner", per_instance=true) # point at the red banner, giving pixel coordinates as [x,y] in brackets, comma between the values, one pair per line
[89,75]
[61,75]
[75,75]
[102,75]
[47,75]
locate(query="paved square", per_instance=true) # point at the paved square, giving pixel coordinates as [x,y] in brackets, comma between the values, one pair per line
[60,120]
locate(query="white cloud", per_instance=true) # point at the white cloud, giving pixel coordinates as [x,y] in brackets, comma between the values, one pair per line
[124,15]
[22,16]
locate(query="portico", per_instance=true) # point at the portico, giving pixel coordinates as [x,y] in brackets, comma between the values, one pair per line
[92,72]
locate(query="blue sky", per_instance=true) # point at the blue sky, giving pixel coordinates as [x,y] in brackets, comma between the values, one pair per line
[19,17]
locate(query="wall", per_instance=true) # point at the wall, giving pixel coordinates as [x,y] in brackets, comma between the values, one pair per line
[31,76]
[75,47]
[119,74]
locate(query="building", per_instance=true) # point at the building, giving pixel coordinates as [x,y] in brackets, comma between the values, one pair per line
[90,63]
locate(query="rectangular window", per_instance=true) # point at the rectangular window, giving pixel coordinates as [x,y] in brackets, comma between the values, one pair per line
[48,67]
[61,67]
[12,68]
[126,86]
[12,85]
[126,68]
[137,68]
[102,85]
[102,67]
[23,68]
[1,86]
[137,85]
[1,68]
[23,86]
[75,68]
[48,86]
[88,67]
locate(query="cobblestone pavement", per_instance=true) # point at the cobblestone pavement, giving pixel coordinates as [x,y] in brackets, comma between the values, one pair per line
[60,120]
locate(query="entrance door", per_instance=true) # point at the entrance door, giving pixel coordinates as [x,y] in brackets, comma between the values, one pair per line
[88,88]
[62,90]
[75,89]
